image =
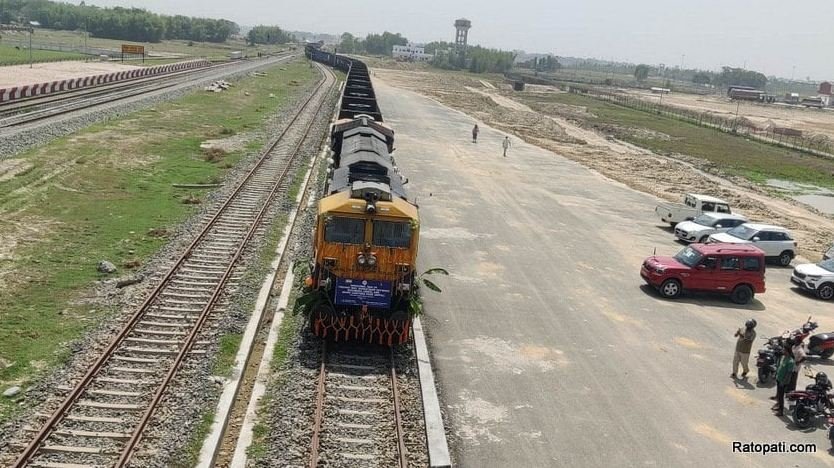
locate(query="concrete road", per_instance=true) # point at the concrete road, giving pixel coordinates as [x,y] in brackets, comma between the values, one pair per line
[549,349]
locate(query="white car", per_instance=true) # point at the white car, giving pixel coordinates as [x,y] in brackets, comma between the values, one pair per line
[693,205]
[776,242]
[816,277]
[700,228]
[828,253]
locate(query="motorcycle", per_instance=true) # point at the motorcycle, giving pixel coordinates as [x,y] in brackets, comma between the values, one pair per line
[809,404]
[768,358]
[821,344]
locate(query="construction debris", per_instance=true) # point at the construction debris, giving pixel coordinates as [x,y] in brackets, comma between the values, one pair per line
[218,86]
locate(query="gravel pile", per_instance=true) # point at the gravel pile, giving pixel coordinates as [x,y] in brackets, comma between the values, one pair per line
[195,390]
[13,141]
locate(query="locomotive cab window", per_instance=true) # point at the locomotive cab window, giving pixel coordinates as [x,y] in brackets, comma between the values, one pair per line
[345,230]
[391,234]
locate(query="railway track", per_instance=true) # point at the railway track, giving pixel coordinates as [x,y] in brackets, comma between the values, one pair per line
[35,109]
[101,420]
[357,420]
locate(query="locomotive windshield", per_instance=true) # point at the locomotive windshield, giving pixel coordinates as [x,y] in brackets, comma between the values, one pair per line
[390,234]
[345,230]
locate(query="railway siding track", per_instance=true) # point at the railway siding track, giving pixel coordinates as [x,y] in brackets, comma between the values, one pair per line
[102,419]
[16,114]
[357,419]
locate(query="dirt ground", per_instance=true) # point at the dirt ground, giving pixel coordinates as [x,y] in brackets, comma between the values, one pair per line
[810,121]
[20,75]
[663,176]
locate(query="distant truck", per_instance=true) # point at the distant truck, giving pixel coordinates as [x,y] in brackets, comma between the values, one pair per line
[236,55]
[693,205]
[815,102]
[746,93]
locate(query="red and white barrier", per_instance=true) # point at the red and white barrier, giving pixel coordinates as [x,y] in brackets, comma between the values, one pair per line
[43,89]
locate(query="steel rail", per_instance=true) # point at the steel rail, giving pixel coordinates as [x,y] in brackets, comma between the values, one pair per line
[218,291]
[121,91]
[319,411]
[318,415]
[23,104]
[82,385]
[401,450]
[32,101]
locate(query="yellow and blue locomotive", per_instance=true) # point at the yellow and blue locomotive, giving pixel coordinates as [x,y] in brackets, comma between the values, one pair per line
[367,230]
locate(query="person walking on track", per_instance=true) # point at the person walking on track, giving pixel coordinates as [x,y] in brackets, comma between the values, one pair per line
[744,343]
[506,144]
[475,131]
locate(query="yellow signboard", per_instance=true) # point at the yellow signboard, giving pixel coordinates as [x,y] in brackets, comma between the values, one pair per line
[133,49]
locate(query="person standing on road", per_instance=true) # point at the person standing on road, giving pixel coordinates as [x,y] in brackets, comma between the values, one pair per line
[506,144]
[799,356]
[475,133]
[744,343]
[783,378]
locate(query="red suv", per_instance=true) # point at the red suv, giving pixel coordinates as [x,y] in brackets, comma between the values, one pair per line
[735,269]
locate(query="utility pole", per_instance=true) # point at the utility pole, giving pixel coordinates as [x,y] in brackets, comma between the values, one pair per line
[32,25]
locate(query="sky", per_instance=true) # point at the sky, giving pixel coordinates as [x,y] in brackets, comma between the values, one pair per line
[787,39]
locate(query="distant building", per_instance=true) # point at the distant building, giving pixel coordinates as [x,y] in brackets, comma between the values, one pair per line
[411,53]
[825,88]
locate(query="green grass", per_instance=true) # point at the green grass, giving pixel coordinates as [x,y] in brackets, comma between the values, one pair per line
[99,194]
[191,452]
[226,353]
[286,336]
[10,55]
[733,154]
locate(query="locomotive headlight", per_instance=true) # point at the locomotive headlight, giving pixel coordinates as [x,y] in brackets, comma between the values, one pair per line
[361,260]
[372,260]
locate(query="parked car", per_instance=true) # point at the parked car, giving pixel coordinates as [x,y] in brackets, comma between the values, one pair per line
[828,253]
[700,228]
[734,269]
[776,242]
[816,277]
[692,206]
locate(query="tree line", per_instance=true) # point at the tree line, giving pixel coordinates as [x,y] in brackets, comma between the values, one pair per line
[475,59]
[131,24]
[268,35]
[729,76]
[375,44]
[547,63]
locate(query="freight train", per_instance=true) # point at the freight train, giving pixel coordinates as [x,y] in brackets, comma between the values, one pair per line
[367,230]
